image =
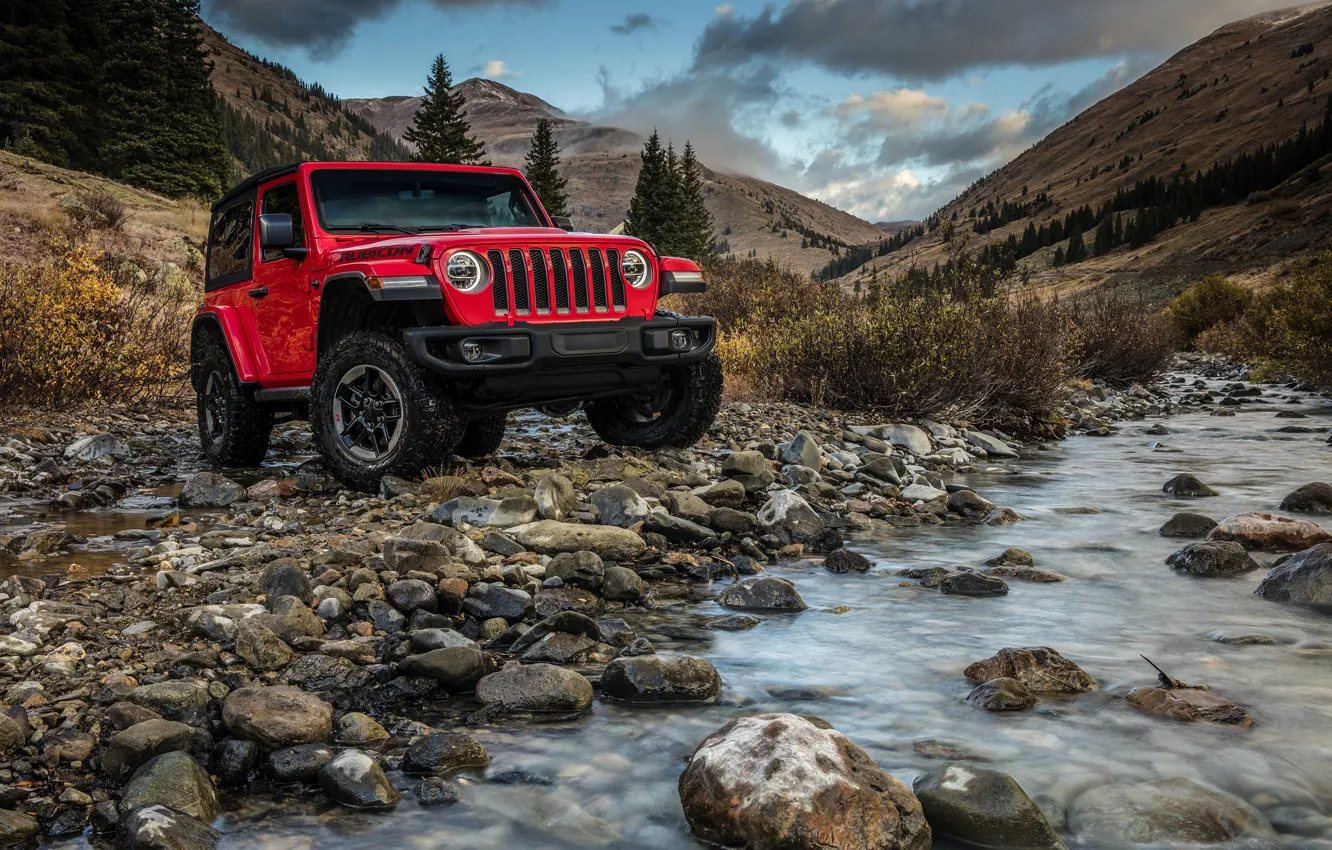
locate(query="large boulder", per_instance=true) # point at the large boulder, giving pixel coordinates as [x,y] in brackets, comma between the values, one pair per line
[1304,578]
[788,516]
[210,490]
[780,781]
[457,668]
[441,753]
[488,601]
[355,780]
[1270,532]
[535,687]
[983,808]
[1212,558]
[1168,810]
[277,716]
[1041,669]
[908,437]
[156,827]
[767,593]
[175,780]
[1186,486]
[577,569]
[1310,499]
[550,538]
[661,678]
[131,749]
[291,619]
[1185,524]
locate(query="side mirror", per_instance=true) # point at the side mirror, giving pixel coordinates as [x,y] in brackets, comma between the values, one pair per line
[563,222]
[275,231]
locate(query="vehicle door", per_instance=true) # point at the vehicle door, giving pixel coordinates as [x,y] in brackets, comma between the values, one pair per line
[281,295]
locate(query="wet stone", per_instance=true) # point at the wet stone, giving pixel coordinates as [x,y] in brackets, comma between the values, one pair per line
[435,791]
[1186,486]
[846,561]
[661,679]
[1041,669]
[440,754]
[1212,558]
[972,584]
[300,763]
[1001,694]
[355,780]
[1187,525]
[984,808]
[762,594]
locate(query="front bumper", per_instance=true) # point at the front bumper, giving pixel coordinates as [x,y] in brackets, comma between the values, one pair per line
[561,346]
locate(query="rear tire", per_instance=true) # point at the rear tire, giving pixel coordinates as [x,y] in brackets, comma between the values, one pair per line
[483,437]
[676,413]
[374,412]
[234,429]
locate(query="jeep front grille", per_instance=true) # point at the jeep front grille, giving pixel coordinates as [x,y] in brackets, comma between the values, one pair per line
[529,281]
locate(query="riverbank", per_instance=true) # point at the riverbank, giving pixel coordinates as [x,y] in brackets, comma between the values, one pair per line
[396,608]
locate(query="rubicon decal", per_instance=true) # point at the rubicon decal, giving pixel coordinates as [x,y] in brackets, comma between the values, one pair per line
[383,252]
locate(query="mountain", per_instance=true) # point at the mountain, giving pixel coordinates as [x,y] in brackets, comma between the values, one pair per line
[1251,83]
[601,164]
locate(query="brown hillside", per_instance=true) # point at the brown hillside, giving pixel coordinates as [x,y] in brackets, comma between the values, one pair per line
[1225,95]
[601,164]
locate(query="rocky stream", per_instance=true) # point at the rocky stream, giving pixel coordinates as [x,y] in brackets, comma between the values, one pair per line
[812,630]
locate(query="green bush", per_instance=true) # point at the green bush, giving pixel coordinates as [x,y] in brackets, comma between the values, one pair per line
[1287,331]
[1207,303]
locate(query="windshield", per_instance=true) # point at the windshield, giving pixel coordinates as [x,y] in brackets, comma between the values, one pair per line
[419,201]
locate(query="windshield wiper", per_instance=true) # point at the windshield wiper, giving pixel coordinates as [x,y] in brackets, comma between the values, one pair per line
[446,228]
[371,228]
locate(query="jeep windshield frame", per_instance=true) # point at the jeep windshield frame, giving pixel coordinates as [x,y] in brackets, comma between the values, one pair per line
[402,200]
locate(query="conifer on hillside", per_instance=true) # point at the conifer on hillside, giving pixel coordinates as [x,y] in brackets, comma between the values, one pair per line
[439,129]
[647,218]
[668,209]
[542,167]
[696,238]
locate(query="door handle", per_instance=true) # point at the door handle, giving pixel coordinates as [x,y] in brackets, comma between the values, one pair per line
[259,292]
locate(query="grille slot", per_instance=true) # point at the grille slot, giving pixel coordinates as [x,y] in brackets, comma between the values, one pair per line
[522,299]
[540,280]
[617,279]
[598,279]
[579,278]
[561,277]
[499,281]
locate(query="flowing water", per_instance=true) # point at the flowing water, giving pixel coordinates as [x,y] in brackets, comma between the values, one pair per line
[888,671]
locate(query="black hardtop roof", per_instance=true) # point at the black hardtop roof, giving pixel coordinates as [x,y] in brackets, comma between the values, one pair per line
[255,179]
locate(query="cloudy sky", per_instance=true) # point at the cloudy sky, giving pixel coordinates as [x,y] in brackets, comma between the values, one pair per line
[885,108]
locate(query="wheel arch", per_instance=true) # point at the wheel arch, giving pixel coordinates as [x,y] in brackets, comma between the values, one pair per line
[224,325]
[347,306]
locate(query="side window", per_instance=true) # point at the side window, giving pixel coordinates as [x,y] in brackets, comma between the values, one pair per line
[284,199]
[229,241]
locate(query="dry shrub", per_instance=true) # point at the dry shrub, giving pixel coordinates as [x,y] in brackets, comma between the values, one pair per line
[1120,341]
[1288,329]
[73,330]
[104,210]
[1207,303]
[954,355]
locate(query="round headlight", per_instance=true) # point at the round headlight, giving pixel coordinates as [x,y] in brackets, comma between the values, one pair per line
[467,272]
[635,269]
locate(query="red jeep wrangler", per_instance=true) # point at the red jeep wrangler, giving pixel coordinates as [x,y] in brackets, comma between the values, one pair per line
[406,308]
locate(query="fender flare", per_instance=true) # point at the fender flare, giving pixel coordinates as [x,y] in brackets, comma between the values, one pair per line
[228,324]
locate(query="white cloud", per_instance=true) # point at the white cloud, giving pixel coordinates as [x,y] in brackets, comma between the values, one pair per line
[899,105]
[495,69]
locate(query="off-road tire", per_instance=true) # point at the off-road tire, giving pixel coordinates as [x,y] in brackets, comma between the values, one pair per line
[697,398]
[483,437]
[430,427]
[242,437]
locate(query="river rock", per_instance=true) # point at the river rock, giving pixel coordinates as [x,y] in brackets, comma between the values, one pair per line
[355,780]
[751,469]
[555,497]
[96,446]
[17,828]
[440,753]
[1270,532]
[355,728]
[993,446]
[1026,574]
[550,538]
[619,506]
[488,601]
[973,584]
[1012,558]
[804,450]
[1041,669]
[676,529]
[156,827]
[291,619]
[457,668]
[908,437]
[983,808]
[1186,524]
[767,593]
[1212,558]
[260,648]
[558,648]
[788,516]
[1003,694]
[578,569]
[412,594]
[661,679]
[723,494]
[535,687]
[210,490]
[424,640]
[1187,486]
[623,585]
[288,580]
[234,760]
[551,600]
[779,781]
[175,699]
[1189,704]
[131,749]
[277,716]
[1310,499]
[300,763]
[1304,578]
[969,504]
[1168,810]
[174,780]
[846,561]
[561,622]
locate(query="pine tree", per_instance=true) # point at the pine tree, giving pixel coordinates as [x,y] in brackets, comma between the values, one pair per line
[1077,250]
[440,129]
[42,93]
[1058,259]
[876,295]
[647,209]
[695,237]
[156,105]
[543,170]
[1105,236]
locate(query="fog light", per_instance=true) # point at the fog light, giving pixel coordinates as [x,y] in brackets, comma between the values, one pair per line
[679,340]
[471,351]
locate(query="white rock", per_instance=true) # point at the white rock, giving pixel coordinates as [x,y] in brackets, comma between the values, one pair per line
[922,493]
